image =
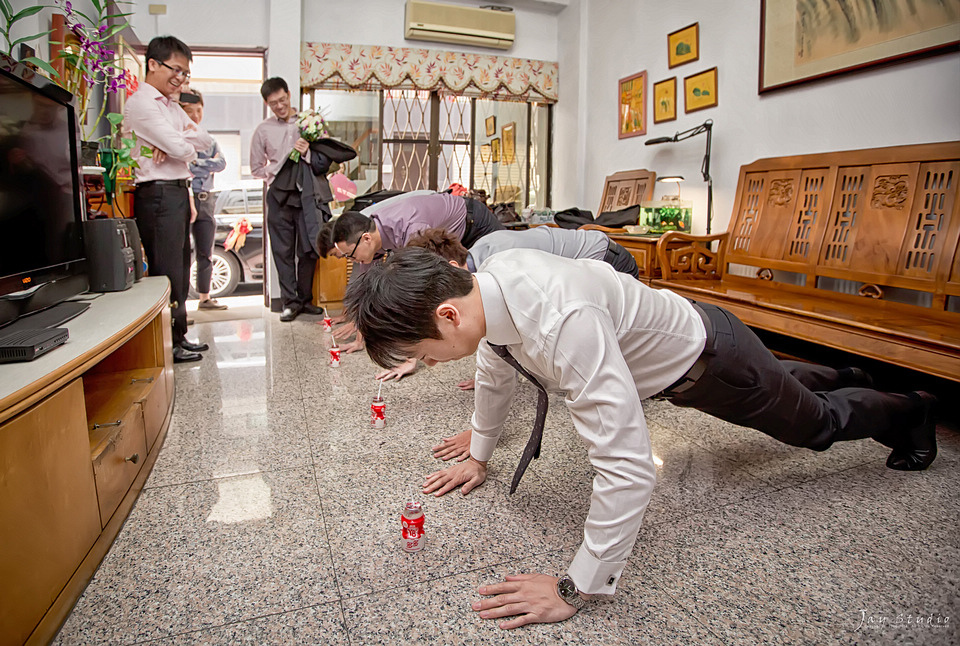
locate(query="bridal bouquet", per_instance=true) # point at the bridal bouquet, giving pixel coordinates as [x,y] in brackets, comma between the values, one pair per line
[312,127]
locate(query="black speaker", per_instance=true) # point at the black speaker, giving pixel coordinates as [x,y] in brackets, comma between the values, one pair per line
[133,237]
[110,258]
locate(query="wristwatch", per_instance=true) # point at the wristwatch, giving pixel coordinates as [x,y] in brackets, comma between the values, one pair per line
[567,590]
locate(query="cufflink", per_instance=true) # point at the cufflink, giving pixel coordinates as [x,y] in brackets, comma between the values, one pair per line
[611,580]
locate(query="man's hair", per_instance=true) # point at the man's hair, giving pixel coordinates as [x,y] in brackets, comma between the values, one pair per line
[325,239]
[441,242]
[162,48]
[199,95]
[393,304]
[350,226]
[271,85]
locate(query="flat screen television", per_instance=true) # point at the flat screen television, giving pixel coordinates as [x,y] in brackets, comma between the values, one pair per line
[42,258]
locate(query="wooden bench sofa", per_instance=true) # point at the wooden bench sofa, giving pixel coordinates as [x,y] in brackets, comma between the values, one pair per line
[855,250]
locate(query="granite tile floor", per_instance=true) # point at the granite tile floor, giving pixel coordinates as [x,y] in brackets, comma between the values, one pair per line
[272,517]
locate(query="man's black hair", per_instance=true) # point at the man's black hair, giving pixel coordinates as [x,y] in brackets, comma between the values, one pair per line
[162,48]
[350,226]
[393,304]
[271,85]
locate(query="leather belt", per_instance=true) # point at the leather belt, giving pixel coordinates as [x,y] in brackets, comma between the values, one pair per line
[687,381]
[182,183]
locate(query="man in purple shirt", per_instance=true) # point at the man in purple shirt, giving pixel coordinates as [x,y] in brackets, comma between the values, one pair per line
[161,203]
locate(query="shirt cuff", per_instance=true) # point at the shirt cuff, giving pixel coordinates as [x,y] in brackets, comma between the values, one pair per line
[593,576]
[481,446]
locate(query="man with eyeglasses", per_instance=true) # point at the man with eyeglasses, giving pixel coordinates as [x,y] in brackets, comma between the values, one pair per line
[161,202]
[293,253]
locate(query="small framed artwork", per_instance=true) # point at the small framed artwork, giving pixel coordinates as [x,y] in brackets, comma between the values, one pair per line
[491,123]
[632,107]
[509,142]
[485,152]
[665,100]
[700,90]
[495,150]
[683,45]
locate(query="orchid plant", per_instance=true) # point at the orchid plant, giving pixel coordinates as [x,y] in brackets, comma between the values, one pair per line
[92,59]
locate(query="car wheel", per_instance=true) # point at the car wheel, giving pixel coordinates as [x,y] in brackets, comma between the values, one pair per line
[224,278]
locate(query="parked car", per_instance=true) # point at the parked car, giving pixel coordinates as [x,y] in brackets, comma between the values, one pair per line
[234,266]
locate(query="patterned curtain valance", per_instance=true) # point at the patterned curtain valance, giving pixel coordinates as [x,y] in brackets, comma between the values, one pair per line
[426,69]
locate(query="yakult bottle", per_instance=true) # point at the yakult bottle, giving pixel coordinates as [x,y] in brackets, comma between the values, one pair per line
[378,410]
[335,357]
[412,536]
[327,323]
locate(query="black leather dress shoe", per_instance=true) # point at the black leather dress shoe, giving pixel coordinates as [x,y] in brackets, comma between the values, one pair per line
[194,347]
[289,313]
[310,308]
[181,355]
[918,448]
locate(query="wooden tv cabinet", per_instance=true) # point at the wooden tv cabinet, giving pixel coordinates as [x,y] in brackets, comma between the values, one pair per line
[80,430]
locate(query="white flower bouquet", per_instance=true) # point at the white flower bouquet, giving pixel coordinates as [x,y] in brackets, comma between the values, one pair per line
[312,127]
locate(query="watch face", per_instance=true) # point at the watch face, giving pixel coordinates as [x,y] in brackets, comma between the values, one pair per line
[567,588]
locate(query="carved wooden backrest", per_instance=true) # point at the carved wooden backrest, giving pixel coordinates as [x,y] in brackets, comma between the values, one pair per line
[884,216]
[627,188]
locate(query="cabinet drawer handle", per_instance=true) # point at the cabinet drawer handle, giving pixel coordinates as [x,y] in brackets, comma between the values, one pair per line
[116,423]
[133,458]
[148,380]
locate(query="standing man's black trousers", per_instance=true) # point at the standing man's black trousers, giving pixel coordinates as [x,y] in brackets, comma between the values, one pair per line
[162,211]
[292,252]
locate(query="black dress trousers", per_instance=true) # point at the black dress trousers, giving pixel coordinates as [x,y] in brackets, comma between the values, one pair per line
[746,385]
[293,254]
[162,211]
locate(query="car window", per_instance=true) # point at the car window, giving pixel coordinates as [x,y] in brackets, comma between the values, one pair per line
[230,203]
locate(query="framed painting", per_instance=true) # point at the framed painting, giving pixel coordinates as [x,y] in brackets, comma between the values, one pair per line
[806,41]
[495,150]
[632,106]
[665,100]
[683,45]
[485,153]
[509,135]
[700,91]
[491,124]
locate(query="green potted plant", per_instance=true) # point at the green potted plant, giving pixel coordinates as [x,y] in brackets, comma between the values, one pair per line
[10,18]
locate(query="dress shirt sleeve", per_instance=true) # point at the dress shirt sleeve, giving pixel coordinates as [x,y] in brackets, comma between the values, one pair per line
[215,162]
[151,126]
[258,155]
[608,415]
[496,381]
[195,134]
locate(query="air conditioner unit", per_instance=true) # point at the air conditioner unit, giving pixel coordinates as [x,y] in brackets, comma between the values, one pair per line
[444,23]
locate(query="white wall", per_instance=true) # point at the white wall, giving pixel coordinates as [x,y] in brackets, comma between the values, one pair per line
[381,22]
[905,103]
[206,23]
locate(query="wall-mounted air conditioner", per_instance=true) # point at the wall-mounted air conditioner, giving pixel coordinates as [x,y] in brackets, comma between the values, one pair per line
[444,23]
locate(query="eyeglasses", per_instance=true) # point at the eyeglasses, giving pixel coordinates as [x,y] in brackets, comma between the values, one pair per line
[176,71]
[350,255]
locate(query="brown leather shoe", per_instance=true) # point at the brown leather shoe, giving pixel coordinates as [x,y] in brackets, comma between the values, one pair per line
[210,304]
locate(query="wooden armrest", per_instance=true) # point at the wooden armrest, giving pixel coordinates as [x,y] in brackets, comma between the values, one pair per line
[597,227]
[697,259]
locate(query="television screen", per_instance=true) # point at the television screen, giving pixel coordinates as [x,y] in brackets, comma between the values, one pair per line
[40,211]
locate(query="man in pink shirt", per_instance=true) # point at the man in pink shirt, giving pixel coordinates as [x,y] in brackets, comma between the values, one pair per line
[161,202]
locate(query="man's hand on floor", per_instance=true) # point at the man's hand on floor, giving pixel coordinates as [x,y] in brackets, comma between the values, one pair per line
[527,598]
[453,448]
[466,384]
[470,474]
[344,331]
[408,367]
[354,346]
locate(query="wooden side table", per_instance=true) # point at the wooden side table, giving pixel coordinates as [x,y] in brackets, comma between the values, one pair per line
[643,248]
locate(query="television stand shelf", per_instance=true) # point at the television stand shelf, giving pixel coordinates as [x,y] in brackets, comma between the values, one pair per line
[80,430]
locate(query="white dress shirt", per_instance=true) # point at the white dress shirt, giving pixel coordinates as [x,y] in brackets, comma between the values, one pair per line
[605,341]
[159,122]
[271,145]
[569,243]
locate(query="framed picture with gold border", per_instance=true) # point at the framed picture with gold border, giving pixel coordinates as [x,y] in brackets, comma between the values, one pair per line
[665,100]
[491,125]
[683,45]
[509,135]
[495,150]
[700,90]
[632,106]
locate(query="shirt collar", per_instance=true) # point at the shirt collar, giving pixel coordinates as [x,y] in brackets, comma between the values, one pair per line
[153,93]
[500,327]
[471,266]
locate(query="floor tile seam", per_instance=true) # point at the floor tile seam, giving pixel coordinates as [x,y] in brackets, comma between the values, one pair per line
[242,621]
[450,575]
[326,536]
[690,612]
[150,487]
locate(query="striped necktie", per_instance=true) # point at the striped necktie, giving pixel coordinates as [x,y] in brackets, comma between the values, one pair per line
[532,450]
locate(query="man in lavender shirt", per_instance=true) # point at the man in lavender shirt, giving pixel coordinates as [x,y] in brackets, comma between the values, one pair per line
[161,203]
[273,141]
